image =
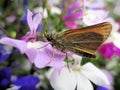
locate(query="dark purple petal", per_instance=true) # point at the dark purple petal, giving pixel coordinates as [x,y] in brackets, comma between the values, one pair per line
[40,27]
[74,16]
[4,56]
[27,88]
[24,19]
[71,24]
[5,75]
[102,88]
[1,47]
[4,83]
[25,2]
[108,50]
[27,81]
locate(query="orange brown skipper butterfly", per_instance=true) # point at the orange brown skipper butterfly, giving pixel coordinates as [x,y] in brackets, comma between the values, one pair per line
[82,41]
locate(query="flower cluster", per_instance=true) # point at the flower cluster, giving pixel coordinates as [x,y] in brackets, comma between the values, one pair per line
[22,36]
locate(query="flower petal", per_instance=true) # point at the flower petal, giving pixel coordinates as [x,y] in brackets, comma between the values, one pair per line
[21,45]
[75,5]
[102,88]
[94,74]
[64,80]
[41,60]
[4,56]
[27,81]
[82,82]
[36,21]
[26,88]
[44,58]
[92,17]
[74,16]
[109,49]
[29,19]
[31,53]
[71,24]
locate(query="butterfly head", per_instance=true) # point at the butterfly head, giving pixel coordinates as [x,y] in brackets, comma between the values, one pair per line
[48,36]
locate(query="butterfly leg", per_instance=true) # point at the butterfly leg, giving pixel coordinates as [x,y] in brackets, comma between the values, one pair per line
[66,58]
[44,45]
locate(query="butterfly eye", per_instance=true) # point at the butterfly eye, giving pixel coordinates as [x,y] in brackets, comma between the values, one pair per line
[48,37]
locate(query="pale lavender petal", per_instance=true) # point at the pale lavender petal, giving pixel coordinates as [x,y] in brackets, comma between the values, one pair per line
[29,19]
[36,20]
[21,45]
[41,60]
[73,16]
[31,54]
[44,58]
[58,60]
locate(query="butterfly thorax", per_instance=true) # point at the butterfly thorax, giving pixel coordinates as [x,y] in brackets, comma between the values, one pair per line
[55,42]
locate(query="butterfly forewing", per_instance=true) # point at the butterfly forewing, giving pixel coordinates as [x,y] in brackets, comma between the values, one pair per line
[86,41]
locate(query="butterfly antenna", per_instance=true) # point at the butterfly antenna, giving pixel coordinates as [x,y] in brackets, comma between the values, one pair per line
[67,62]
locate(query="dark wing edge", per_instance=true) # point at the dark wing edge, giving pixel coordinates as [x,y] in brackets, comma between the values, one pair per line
[102,28]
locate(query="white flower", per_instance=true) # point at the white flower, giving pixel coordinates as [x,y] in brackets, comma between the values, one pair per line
[79,77]
[92,17]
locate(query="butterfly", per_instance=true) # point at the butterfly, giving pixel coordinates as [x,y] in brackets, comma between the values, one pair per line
[82,41]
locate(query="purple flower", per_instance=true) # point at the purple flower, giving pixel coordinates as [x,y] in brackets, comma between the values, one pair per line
[27,82]
[78,76]
[74,13]
[33,22]
[38,52]
[24,19]
[108,50]
[25,2]
[4,54]
[102,88]
[5,75]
